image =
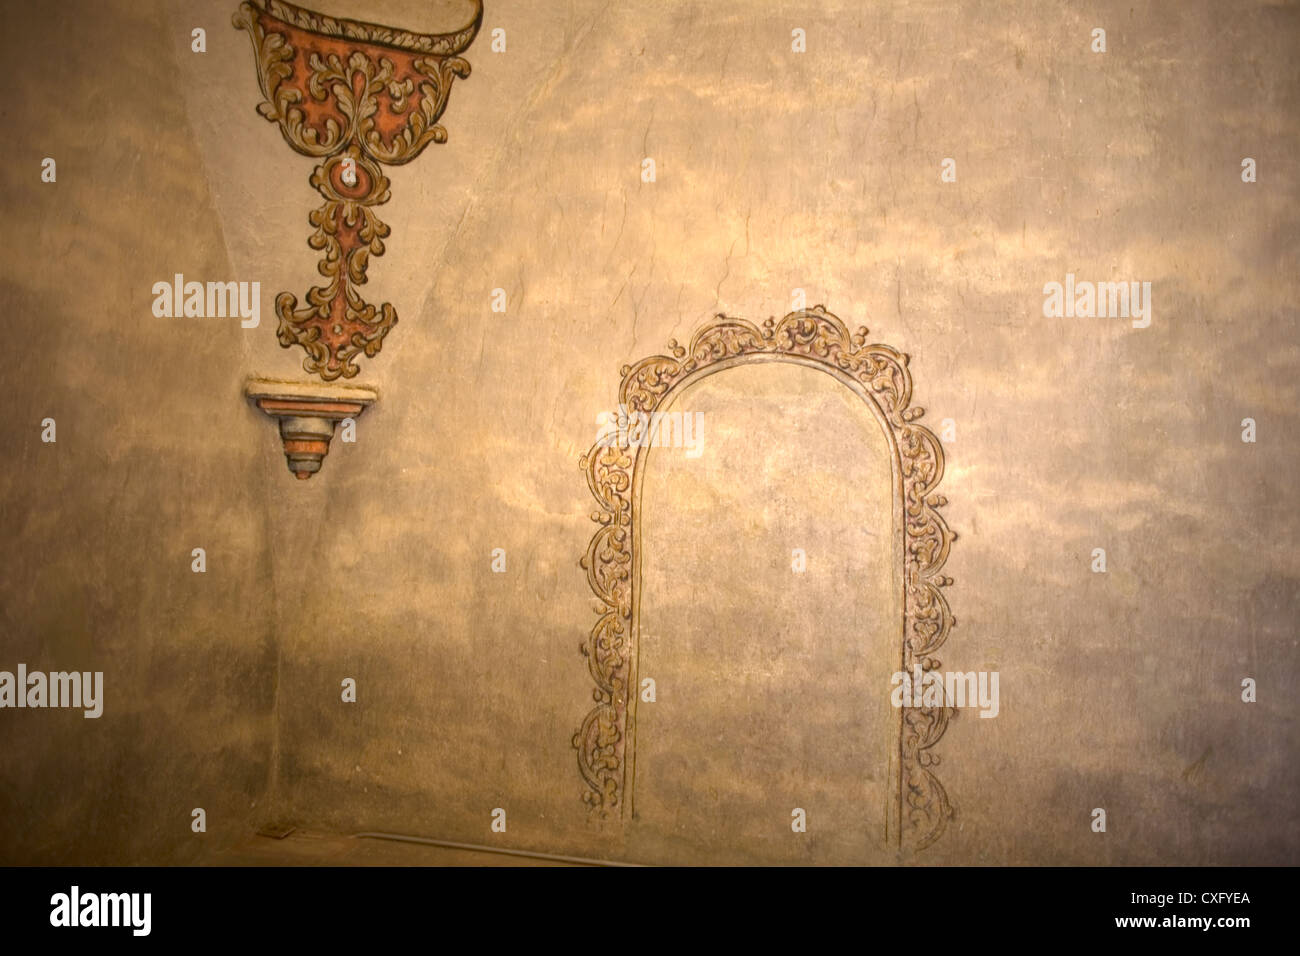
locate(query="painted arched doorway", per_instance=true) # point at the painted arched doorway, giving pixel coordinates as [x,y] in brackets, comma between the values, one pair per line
[616,468]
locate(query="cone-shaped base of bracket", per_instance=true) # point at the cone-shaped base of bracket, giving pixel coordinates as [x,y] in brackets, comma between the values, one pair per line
[307,414]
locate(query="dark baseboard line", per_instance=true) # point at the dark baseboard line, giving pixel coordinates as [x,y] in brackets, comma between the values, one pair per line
[505,851]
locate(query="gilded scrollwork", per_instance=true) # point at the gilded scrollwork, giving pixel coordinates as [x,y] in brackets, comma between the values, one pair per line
[605,746]
[442,44]
[353,95]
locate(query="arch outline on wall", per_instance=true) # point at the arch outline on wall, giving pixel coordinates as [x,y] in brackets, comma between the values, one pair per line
[606,739]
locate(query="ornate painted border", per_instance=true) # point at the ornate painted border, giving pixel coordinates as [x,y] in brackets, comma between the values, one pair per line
[606,740]
[355,96]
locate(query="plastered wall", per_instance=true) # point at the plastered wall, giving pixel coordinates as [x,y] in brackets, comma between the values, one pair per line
[100,525]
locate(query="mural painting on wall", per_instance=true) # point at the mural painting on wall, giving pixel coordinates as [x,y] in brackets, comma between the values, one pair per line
[606,740]
[357,96]
[354,95]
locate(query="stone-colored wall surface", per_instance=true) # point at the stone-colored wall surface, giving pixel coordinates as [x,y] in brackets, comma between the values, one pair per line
[153,458]
[775,171]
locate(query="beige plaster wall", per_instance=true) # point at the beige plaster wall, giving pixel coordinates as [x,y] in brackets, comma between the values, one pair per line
[99,527]
[776,171]
[772,684]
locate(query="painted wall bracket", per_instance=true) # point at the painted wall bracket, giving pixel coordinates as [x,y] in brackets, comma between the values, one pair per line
[308,415]
[355,96]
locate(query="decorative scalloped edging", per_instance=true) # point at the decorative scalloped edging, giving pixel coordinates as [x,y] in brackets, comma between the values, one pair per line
[606,739]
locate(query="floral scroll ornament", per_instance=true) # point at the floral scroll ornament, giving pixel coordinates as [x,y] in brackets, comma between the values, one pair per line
[353,95]
[606,740]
